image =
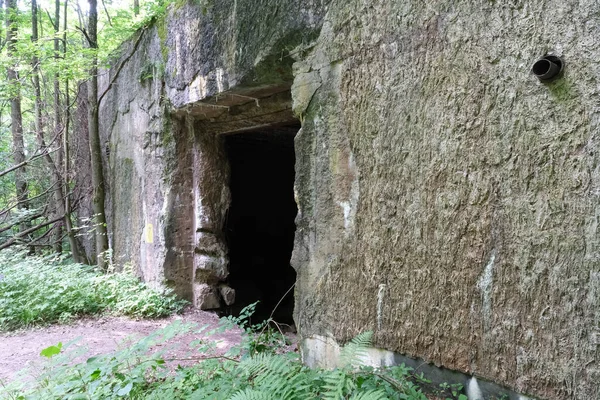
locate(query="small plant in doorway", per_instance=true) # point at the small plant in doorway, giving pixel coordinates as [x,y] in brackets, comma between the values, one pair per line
[265,336]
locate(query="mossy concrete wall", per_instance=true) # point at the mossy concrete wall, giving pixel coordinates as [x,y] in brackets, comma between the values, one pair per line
[448,200]
[167,179]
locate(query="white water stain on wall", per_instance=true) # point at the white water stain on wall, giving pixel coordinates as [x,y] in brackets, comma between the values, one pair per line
[485,285]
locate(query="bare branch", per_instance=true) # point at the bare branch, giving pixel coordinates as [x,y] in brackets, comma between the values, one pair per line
[120,67]
[107,15]
[28,219]
[51,20]
[24,163]
[90,41]
[26,232]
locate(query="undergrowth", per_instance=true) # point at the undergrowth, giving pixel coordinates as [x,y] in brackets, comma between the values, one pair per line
[245,373]
[38,290]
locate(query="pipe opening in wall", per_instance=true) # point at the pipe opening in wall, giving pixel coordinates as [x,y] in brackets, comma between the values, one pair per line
[541,67]
[548,68]
[260,223]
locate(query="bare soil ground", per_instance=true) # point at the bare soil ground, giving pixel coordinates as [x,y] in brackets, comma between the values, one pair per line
[21,349]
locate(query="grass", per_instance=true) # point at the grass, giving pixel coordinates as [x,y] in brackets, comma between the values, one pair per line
[38,290]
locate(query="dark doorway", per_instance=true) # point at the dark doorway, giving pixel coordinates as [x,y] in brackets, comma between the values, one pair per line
[260,225]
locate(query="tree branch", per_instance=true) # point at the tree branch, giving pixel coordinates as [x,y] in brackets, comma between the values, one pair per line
[107,15]
[24,163]
[51,20]
[90,41]
[120,67]
[26,232]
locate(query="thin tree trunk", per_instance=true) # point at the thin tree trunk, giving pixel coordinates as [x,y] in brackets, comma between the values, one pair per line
[58,132]
[66,158]
[59,208]
[55,178]
[1,19]
[58,125]
[136,7]
[15,106]
[95,144]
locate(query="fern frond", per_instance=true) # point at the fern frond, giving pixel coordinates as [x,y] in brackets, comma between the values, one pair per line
[337,385]
[352,353]
[370,395]
[277,376]
[252,394]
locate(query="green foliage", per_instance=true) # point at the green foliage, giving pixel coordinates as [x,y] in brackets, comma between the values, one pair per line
[50,351]
[138,373]
[41,290]
[260,337]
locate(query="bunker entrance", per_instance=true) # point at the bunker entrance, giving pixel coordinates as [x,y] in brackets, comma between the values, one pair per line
[260,224]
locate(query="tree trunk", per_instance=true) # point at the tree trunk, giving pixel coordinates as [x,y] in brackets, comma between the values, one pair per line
[15,106]
[136,7]
[73,242]
[58,128]
[59,208]
[95,144]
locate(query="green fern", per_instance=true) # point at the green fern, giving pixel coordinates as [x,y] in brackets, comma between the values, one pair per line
[356,350]
[252,394]
[370,395]
[338,384]
[276,376]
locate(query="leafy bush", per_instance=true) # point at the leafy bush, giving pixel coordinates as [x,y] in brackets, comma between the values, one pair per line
[39,290]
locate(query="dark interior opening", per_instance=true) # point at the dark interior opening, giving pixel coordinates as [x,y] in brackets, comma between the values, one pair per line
[260,224]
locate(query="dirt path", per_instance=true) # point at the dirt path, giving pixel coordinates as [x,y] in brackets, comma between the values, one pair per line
[22,349]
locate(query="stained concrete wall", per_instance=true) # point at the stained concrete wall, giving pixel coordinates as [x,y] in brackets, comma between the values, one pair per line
[448,201]
[204,69]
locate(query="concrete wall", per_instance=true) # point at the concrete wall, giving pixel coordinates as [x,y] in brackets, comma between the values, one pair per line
[448,201]
[189,73]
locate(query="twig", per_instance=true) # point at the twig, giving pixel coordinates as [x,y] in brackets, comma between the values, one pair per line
[107,15]
[90,41]
[280,300]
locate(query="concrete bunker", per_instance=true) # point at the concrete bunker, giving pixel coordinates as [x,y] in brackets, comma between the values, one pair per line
[259,227]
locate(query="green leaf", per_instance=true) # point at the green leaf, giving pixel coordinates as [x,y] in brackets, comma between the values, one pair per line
[48,352]
[124,391]
[95,375]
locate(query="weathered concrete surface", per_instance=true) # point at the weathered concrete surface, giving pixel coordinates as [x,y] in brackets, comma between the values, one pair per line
[448,201]
[206,68]
[324,352]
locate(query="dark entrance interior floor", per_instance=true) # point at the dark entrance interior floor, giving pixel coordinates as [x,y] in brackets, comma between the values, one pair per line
[260,224]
